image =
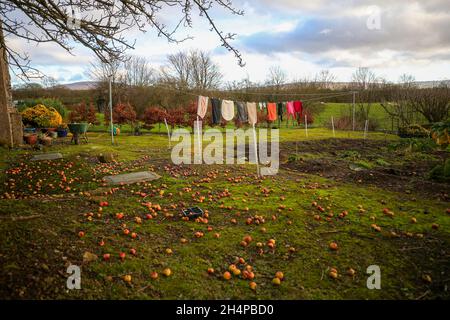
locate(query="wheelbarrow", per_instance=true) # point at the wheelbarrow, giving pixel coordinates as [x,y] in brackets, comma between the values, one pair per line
[78,130]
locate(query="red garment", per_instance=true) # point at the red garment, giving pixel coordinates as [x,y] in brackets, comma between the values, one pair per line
[298,106]
[271,111]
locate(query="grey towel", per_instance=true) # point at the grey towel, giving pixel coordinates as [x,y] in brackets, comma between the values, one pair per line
[241,111]
[216,111]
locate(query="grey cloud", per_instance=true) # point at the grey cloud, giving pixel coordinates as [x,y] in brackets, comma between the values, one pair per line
[400,31]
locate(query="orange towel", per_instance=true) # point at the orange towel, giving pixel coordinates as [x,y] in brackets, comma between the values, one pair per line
[271,111]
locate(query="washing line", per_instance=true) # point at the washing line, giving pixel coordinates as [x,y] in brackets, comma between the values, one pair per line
[318,96]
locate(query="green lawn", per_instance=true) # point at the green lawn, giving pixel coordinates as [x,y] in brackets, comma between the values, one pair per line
[300,211]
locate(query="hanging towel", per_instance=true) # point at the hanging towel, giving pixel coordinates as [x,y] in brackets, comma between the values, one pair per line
[271,111]
[227,110]
[252,115]
[216,103]
[241,111]
[202,106]
[280,110]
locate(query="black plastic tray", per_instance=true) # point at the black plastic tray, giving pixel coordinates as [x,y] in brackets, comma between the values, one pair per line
[193,213]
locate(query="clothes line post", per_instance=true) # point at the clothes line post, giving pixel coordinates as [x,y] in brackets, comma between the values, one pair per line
[306,124]
[366,128]
[168,132]
[199,135]
[353,115]
[256,150]
[332,124]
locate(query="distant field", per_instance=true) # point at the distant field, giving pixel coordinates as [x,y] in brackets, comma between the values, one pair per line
[340,109]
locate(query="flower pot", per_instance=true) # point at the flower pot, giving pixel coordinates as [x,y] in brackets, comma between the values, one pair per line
[29,130]
[30,139]
[62,133]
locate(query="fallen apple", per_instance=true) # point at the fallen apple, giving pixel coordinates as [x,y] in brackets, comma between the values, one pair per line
[236,271]
[119,215]
[276,281]
[333,246]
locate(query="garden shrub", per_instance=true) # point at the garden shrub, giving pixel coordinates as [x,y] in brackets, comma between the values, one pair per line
[413,131]
[123,113]
[440,133]
[48,102]
[41,116]
[82,113]
[441,172]
[154,115]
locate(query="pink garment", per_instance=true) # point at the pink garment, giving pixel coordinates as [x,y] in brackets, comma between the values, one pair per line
[290,109]
[252,114]
[202,106]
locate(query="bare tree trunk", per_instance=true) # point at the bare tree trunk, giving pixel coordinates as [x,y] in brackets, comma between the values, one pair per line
[10,119]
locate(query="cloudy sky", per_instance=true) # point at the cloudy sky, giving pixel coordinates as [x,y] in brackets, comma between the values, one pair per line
[302,37]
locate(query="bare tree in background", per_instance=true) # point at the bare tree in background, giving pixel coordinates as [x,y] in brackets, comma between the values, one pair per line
[407,80]
[177,69]
[365,81]
[194,70]
[205,73]
[324,79]
[276,77]
[432,103]
[102,71]
[363,78]
[396,101]
[138,72]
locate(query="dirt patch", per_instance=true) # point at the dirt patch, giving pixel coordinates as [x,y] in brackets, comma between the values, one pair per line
[336,159]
